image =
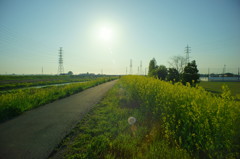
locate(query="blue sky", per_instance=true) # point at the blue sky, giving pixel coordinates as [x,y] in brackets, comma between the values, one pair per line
[32,31]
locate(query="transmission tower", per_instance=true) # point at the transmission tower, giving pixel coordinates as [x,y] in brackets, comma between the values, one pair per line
[224,69]
[60,62]
[130,71]
[187,51]
[140,67]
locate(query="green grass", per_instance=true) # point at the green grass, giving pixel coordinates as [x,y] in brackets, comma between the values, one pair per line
[16,102]
[216,87]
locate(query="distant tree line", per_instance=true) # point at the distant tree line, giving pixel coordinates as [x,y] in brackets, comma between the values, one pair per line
[219,75]
[179,71]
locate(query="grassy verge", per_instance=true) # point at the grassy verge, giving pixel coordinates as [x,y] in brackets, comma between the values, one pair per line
[173,121]
[19,101]
[106,133]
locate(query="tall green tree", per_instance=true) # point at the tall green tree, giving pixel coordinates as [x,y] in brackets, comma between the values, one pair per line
[152,68]
[161,72]
[190,74]
[173,75]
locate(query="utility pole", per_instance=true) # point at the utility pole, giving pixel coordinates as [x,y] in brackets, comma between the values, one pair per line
[208,74]
[60,62]
[42,70]
[126,71]
[187,51]
[238,73]
[130,67]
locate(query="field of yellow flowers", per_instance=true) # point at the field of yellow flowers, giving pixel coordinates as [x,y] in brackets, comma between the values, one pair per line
[192,118]
[172,121]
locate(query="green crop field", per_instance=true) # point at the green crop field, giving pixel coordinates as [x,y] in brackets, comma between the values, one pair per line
[172,121]
[15,102]
[8,82]
[216,87]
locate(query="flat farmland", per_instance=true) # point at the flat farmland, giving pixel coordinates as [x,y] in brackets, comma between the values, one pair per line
[8,82]
[17,97]
[216,87]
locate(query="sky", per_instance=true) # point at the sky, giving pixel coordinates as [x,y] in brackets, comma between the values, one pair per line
[103,35]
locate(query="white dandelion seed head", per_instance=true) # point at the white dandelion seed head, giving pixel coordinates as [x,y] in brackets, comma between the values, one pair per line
[132,120]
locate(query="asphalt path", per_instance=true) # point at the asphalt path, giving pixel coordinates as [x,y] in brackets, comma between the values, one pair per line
[35,134]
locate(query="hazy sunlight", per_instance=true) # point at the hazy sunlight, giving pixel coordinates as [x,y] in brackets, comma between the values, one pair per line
[105,34]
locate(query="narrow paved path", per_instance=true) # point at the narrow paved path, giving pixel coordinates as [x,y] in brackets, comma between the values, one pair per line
[35,134]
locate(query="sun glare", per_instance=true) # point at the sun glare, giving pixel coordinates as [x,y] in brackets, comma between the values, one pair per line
[105,34]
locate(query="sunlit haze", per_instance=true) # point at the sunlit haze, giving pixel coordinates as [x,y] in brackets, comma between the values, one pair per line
[102,36]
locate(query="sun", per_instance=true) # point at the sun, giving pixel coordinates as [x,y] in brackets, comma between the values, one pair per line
[105,34]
